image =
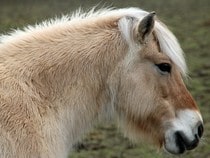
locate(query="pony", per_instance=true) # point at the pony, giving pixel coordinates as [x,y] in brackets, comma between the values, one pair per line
[60,77]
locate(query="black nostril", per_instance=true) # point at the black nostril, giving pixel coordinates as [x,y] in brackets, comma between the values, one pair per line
[200,130]
[180,142]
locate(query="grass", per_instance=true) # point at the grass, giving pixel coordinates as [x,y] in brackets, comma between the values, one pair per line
[189,20]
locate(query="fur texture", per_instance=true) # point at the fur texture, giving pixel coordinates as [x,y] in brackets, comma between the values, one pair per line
[60,77]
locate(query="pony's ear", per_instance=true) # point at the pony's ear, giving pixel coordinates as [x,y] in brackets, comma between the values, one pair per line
[145,27]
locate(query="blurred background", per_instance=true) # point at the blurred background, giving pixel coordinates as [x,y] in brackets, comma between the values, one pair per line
[190,22]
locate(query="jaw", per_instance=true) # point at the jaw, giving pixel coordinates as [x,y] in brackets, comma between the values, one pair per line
[143,131]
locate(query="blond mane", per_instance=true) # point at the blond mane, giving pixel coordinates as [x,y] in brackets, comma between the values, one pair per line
[168,41]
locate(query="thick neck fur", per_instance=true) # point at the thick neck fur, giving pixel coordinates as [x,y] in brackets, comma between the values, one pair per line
[62,71]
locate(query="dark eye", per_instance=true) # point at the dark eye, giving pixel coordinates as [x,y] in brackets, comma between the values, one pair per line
[164,68]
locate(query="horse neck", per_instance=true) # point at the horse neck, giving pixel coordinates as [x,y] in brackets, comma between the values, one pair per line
[77,80]
[65,69]
[61,56]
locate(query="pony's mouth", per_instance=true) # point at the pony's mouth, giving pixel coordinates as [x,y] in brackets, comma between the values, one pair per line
[185,132]
[182,144]
[179,142]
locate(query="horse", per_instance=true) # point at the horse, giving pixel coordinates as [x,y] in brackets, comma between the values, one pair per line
[62,76]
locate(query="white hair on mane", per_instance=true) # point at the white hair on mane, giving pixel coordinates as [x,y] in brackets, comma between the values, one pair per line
[170,46]
[168,42]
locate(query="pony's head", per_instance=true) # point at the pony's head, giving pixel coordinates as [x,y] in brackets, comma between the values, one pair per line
[151,98]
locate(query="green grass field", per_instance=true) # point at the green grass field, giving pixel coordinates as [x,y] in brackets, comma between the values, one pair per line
[188,19]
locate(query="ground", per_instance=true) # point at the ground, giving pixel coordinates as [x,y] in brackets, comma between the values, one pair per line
[188,19]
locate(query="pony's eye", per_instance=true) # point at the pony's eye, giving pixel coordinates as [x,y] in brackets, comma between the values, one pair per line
[164,67]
